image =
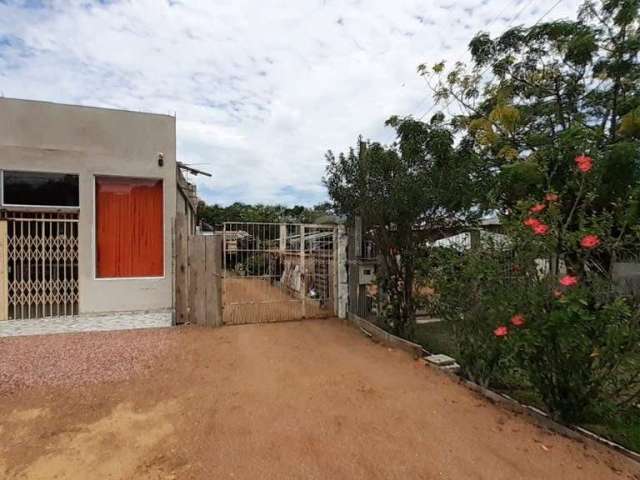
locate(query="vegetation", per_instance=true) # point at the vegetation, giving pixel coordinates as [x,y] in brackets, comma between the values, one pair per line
[408,193]
[242,212]
[558,124]
[549,139]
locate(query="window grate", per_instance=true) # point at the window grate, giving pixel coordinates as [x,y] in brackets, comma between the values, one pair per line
[42,264]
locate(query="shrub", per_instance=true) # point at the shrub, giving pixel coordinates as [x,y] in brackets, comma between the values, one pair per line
[580,351]
[473,292]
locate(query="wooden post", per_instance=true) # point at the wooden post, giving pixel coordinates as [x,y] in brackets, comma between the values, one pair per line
[335,275]
[197,285]
[4,272]
[212,290]
[181,269]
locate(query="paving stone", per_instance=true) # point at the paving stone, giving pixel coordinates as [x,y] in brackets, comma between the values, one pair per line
[87,323]
[441,360]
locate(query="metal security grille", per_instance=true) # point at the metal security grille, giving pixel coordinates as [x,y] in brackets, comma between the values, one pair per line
[277,272]
[42,264]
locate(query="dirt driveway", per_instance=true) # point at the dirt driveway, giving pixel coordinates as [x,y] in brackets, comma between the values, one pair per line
[309,400]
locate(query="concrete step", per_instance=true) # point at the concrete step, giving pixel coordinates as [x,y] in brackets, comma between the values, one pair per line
[440,360]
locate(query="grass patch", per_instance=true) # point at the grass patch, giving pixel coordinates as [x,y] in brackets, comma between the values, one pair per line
[624,429]
[436,337]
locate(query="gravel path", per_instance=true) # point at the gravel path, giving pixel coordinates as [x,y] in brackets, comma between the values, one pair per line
[297,400]
[71,360]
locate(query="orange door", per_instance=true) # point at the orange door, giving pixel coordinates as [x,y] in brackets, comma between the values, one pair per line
[129,227]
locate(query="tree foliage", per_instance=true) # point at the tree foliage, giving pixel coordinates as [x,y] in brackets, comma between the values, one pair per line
[553,111]
[536,97]
[242,212]
[416,190]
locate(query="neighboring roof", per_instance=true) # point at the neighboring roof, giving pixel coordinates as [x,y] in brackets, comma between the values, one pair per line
[462,241]
[490,221]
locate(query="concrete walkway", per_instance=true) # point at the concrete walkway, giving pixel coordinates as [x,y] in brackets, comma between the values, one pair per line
[86,323]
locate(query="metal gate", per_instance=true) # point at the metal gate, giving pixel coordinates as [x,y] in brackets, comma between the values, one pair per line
[278,271]
[41,268]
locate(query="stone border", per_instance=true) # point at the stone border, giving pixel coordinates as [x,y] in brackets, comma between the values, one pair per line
[381,335]
[538,416]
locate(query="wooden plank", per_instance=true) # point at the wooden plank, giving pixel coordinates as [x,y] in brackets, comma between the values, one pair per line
[4,272]
[213,245]
[181,269]
[219,278]
[197,282]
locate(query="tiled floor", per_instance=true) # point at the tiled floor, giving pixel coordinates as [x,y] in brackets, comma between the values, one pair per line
[86,323]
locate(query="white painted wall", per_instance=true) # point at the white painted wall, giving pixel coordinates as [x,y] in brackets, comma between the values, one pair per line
[42,136]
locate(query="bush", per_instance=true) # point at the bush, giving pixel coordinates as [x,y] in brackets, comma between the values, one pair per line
[473,294]
[575,337]
[579,347]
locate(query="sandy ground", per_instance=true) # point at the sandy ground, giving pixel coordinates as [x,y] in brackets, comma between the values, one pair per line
[308,400]
[255,300]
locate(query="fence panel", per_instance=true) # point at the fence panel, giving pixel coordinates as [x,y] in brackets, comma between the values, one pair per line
[197,282]
[198,277]
[181,269]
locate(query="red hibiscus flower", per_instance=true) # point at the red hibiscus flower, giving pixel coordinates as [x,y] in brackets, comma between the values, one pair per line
[532,222]
[590,241]
[551,197]
[501,331]
[569,281]
[541,229]
[537,208]
[518,320]
[584,163]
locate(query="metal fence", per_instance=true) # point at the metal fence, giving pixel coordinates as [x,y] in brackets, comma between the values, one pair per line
[278,271]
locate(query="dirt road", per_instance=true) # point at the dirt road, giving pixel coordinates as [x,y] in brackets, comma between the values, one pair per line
[255,300]
[308,400]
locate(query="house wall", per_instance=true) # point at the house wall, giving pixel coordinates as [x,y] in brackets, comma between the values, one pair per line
[41,136]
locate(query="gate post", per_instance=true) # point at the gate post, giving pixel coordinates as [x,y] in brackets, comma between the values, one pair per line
[4,272]
[303,274]
[283,238]
[340,275]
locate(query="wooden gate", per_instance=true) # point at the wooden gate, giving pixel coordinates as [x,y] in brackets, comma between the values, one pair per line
[198,276]
[277,272]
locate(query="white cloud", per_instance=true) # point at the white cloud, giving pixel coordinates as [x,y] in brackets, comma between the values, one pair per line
[261,89]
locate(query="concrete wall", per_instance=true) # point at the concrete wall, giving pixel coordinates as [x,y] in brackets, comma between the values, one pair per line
[41,136]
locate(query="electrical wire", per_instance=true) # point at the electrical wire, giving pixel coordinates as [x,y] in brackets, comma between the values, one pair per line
[553,7]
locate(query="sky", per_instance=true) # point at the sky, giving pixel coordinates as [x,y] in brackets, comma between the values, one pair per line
[261,89]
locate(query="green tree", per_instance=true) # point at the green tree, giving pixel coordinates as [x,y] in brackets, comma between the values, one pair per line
[409,193]
[242,212]
[556,121]
[536,98]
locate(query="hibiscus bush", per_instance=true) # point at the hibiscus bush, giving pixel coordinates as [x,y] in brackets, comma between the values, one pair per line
[544,302]
[474,292]
[578,337]
[558,121]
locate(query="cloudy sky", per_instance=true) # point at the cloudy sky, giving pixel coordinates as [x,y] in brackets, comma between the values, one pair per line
[260,88]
